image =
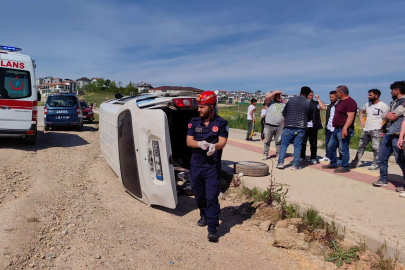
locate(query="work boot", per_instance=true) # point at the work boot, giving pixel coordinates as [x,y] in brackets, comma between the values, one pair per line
[212,237]
[202,222]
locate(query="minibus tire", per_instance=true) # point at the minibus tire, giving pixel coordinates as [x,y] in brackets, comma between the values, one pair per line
[80,128]
[46,128]
[250,168]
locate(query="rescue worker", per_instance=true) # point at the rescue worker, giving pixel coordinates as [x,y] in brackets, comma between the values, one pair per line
[207,136]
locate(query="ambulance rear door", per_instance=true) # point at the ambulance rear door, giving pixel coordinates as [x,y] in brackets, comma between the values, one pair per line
[154,154]
[16,96]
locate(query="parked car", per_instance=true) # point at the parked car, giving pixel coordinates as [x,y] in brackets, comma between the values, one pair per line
[63,110]
[18,95]
[88,114]
[143,139]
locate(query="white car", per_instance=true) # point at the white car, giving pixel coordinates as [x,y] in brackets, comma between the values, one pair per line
[143,139]
[18,95]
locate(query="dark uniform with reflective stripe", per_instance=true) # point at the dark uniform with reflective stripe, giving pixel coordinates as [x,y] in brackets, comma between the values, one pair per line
[205,170]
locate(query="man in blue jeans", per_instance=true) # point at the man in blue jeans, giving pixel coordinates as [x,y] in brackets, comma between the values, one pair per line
[297,112]
[389,143]
[343,122]
[330,113]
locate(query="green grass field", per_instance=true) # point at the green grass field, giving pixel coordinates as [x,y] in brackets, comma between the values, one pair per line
[97,97]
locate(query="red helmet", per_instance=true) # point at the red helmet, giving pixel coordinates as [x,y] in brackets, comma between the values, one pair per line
[207,97]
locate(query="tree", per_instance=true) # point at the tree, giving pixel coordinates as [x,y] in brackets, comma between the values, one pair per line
[107,83]
[100,84]
[130,89]
[258,91]
[119,84]
[113,87]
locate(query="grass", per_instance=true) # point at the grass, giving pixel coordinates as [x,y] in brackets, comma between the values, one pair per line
[98,98]
[312,219]
[341,255]
[238,120]
[290,210]
[89,97]
[384,262]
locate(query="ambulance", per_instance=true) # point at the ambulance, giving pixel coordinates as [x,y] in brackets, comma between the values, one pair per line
[18,95]
[143,139]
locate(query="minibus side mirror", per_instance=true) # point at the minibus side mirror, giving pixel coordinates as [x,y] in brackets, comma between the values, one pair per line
[39,96]
[118,95]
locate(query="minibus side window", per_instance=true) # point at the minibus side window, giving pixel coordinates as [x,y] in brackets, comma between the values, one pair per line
[126,148]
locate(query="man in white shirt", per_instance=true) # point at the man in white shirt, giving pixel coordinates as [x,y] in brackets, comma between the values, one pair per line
[375,110]
[314,125]
[263,120]
[330,113]
[251,119]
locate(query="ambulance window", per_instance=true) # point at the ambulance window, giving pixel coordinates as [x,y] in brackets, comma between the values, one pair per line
[15,84]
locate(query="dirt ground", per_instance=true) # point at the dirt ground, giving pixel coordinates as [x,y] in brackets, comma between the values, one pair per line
[62,207]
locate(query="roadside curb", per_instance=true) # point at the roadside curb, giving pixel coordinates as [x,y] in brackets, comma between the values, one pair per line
[366,154]
[358,235]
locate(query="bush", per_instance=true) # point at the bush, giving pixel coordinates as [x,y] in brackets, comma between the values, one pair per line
[289,210]
[312,219]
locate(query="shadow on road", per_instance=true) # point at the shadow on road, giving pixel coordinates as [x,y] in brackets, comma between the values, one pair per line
[62,128]
[396,180]
[45,140]
[185,205]
[234,215]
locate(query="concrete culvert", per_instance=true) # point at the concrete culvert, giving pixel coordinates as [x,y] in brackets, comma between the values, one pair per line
[250,168]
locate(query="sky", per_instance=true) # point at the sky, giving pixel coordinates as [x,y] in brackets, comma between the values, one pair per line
[216,45]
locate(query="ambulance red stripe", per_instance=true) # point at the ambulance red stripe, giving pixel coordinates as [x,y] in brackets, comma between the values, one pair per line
[13,102]
[17,104]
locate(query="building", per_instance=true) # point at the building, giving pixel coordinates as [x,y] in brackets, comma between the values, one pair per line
[94,80]
[142,87]
[221,94]
[82,82]
[56,80]
[64,87]
[44,80]
[168,89]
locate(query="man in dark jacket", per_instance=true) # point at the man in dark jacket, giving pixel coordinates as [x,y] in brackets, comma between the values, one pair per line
[330,112]
[297,113]
[313,127]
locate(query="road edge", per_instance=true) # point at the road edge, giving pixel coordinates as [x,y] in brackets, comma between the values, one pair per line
[357,235]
